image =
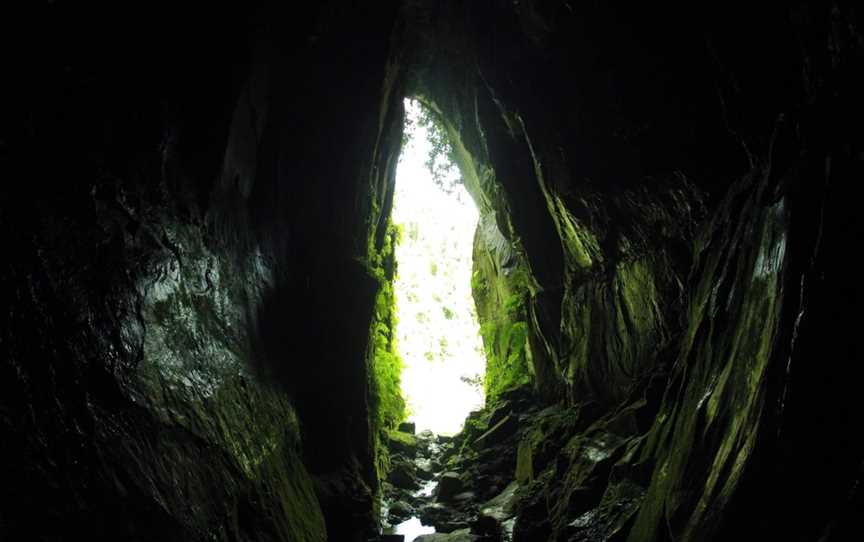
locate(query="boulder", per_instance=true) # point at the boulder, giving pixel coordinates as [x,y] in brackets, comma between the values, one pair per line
[435,514]
[502,506]
[448,451]
[407,427]
[402,475]
[487,527]
[452,525]
[462,535]
[465,496]
[500,432]
[424,472]
[403,443]
[501,410]
[400,511]
[449,485]
[425,443]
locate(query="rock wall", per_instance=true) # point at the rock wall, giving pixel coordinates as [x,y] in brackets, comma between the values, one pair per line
[662,176]
[193,200]
[186,303]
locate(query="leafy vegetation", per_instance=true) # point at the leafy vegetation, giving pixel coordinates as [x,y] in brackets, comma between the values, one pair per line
[441,161]
[386,404]
[438,332]
[475,380]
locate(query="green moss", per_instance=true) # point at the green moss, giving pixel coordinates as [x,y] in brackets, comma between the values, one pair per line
[524,462]
[506,347]
[386,404]
[706,429]
[405,439]
[501,300]
[579,243]
[515,305]
[296,497]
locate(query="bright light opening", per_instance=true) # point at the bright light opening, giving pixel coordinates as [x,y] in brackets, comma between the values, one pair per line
[437,331]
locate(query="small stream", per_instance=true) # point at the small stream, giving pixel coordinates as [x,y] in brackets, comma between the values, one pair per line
[411,486]
[411,529]
[461,488]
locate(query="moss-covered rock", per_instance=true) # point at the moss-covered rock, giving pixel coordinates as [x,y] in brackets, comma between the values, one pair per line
[197,328]
[499,286]
[652,284]
[387,406]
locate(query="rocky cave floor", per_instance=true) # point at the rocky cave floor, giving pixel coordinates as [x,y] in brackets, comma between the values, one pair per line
[479,485]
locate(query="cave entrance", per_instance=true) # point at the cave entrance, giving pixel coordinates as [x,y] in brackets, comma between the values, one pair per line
[437,331]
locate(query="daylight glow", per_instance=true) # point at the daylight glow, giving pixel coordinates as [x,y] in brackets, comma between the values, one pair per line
[438,334]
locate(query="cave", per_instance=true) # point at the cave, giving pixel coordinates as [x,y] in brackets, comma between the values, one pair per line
[199,264]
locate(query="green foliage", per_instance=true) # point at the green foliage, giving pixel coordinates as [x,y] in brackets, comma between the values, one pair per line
[448,314]
[443,345]
[475,381]
[386,404]
[441,161]
[396,233]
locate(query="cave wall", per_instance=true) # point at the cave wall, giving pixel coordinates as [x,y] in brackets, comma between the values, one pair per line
[186,299]
[663,175]
[187,282]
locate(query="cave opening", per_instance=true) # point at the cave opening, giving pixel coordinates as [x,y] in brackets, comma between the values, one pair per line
[199,339]
[438,335]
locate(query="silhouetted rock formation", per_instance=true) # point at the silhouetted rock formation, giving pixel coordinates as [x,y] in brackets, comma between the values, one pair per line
[194,215]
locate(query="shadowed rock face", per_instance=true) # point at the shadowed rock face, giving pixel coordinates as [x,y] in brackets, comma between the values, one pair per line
[185,318]
[674,160]
[665,256]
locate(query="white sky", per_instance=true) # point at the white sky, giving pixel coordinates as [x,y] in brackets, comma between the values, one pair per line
[444,224]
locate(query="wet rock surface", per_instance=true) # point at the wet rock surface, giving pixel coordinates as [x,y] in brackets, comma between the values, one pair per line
[665,258]
[471,496]
[449,484]
[555,490]
[663,329]
[553,473]
[154,381]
